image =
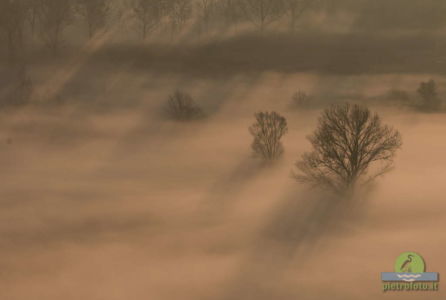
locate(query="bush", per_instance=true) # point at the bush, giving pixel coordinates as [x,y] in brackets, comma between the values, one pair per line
[429,96]
[301,100]
[267,132]
[181,107]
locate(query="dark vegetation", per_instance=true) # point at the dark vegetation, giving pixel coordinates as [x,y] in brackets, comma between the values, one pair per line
[429,96]
[268,131]
[182,107]
[347,143]
[301,100]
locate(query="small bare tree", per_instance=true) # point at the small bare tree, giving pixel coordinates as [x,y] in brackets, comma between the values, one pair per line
[261,13]
[428,93]
[348,141]
[267,131]
[54,17]
[95,13]
[181,107]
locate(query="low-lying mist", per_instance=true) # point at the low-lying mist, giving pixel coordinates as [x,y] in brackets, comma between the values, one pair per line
[103,197]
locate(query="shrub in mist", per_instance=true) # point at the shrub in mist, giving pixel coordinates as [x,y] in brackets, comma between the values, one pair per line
[268,131]
[24,88]
[182,107]
[428,93]
[301,100]
[351,148]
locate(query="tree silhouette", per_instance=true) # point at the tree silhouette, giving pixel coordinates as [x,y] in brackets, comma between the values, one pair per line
[267,131]
[347,142]
[181,107]
[428,93]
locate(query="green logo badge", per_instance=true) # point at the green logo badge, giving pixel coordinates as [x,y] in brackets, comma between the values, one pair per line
[410,262]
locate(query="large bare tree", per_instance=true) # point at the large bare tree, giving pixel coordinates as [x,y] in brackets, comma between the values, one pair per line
[268,131]
[348,143]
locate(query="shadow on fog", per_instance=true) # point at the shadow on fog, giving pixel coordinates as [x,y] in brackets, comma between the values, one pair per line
[295,229]
[223,194]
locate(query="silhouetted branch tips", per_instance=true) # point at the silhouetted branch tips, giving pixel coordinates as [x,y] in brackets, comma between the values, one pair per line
[182,107]
[268,131]
[351,147]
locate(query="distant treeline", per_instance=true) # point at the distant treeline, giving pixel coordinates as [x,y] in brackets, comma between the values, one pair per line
[47,20]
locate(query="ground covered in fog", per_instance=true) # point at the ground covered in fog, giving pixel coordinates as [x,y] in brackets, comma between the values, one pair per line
[117,202]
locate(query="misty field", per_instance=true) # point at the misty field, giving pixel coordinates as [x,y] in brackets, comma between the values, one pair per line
[151,149]
[119,202]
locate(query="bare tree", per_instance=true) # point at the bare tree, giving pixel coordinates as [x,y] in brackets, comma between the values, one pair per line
[181,107]
[349,140]
[261,13]
[428,93]
[149,14]
[95,13]
[54,17]
[267,131]
[13,14]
